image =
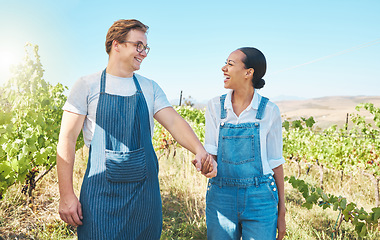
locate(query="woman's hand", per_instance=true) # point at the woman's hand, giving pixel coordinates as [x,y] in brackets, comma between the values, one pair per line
[206,164]
[281,223]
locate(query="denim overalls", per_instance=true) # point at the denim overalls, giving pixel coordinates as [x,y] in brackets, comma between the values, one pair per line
[120,194]
[241,201]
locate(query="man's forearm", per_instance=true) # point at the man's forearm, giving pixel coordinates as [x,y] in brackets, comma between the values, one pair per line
[65,166]
[185,136]
[179,129]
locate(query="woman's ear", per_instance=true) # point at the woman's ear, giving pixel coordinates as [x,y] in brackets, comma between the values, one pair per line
[250,72]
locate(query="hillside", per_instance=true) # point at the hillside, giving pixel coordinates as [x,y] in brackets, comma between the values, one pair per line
[326,110]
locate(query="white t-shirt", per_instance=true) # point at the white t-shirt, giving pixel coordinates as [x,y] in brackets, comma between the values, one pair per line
[84,96]
[270,128]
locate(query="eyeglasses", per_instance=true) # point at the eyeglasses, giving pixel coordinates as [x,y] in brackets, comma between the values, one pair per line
[139,46]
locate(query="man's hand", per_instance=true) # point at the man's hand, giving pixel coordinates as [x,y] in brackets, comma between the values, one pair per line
[207,165]
[70,210]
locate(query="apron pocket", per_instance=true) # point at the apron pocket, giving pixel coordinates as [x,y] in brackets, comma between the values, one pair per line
[125,166]
[237,149]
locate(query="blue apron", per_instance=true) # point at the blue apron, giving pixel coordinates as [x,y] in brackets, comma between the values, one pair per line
[241,201]
[120,194]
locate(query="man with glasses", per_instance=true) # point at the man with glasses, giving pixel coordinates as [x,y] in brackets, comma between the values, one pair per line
[120,195]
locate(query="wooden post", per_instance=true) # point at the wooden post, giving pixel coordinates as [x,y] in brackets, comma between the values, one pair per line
[320,166]
[180,98]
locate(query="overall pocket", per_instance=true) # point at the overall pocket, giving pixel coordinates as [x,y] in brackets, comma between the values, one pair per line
[125,166]
[238,149]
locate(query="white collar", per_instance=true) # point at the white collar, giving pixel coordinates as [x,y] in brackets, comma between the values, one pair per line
[254,103]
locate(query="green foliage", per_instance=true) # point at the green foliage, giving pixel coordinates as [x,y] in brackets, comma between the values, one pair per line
[191,114]
[366,128]
[362,220]
[196,119]
[30,117]
[336,148]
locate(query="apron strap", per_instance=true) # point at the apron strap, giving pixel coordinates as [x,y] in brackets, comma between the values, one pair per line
[223,112]
[261,110]
[142,97]
[103,82]
[138,88]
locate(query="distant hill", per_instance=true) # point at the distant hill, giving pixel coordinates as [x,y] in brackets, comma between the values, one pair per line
[326,110]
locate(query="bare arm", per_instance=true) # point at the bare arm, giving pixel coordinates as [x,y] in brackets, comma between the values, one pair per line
[184,134]
[279,178]
[69,206]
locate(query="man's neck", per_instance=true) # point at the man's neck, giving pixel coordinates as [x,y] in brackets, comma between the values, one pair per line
[117,69]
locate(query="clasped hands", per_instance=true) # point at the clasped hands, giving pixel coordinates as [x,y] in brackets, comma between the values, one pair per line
[206,164]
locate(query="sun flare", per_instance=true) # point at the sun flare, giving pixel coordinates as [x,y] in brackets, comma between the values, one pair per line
[8,59]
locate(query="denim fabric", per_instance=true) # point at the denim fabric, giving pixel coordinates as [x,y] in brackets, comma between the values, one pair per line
[120,194]
[241,202]
[248,212]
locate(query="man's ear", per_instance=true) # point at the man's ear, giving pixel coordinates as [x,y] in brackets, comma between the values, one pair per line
[116,45]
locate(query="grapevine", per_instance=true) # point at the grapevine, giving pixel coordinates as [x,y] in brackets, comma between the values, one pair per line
[362,220]
[30,117]
[30,184]
[340,149]
[162,139]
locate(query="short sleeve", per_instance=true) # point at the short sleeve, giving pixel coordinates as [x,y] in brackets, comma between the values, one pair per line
[274,140]
[160,99]
[77,100]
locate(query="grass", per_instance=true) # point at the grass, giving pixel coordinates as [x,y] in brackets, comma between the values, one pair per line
[183,196]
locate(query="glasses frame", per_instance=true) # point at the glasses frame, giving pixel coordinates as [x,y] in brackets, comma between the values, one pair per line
[144,48]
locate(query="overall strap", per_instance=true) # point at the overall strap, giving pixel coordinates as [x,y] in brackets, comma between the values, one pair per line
[103,82]
[260,111]
[223,113]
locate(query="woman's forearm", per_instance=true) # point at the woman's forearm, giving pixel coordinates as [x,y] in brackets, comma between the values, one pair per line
[279,178]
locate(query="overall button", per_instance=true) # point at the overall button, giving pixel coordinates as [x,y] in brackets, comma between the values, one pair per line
[274,189]
[272,183]
[270,177]
[222,124]
[256,124]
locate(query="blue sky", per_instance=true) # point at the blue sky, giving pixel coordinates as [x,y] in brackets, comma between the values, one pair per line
[313,48]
